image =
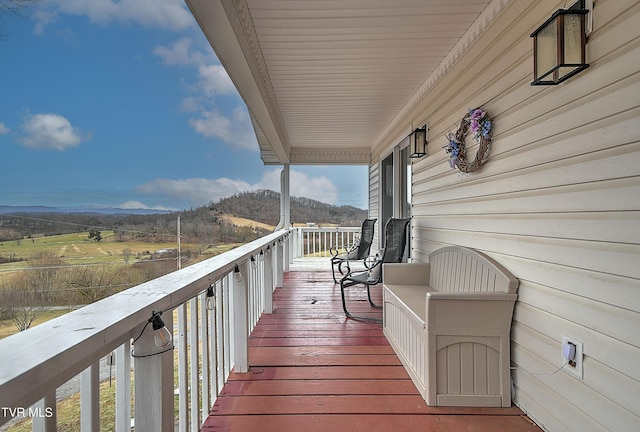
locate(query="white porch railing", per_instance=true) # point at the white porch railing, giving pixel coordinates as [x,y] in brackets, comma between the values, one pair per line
[208,344]
[317,241]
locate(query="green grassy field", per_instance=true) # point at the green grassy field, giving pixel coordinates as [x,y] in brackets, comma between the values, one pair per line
[77,248]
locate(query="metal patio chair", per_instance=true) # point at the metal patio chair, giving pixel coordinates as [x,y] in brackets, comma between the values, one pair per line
[395,241]
[357,252]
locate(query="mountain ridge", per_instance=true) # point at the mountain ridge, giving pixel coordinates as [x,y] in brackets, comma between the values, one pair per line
[5,209]
[264,206]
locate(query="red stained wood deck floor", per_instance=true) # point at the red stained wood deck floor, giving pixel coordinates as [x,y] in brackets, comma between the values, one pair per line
[313,370]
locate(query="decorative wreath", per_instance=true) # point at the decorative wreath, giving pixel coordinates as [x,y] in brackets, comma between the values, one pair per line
[480,124]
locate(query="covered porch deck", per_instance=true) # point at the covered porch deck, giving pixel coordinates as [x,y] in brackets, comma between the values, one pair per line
[311,369]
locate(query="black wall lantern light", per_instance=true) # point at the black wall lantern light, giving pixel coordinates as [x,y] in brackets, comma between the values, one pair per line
[418,142]
[559,46]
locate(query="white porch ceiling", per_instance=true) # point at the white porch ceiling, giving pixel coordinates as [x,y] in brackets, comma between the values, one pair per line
[325,80]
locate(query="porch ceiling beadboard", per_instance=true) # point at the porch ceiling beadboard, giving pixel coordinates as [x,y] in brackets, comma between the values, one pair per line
[331,75]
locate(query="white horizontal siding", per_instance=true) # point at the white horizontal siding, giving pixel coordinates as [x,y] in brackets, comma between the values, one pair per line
[557,203]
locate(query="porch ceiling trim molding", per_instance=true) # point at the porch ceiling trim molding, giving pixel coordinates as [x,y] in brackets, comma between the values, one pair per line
[486,18]
[331,156]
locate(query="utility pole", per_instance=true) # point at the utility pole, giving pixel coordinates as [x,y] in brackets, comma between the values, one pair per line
[179,254]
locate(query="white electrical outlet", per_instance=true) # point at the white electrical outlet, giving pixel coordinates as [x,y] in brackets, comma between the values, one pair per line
[572,355]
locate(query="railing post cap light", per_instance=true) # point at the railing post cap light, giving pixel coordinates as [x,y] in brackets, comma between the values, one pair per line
[559,46]
[418,142]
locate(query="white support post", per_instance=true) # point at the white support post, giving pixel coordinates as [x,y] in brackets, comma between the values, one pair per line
[278,259]
[204,340]
[90,398]
[227,336]
[286,196]
[213,343]
[240,319]
[267,291]
[123,387]
[183,385]
[294,243]
[194,375]
[45,420]
[153,386]
[300,243]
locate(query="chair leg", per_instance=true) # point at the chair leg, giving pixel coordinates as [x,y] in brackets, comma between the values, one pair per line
[348,314]
[333,270]
[371,301]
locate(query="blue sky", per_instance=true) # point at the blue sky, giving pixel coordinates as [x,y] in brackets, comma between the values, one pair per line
[123,103]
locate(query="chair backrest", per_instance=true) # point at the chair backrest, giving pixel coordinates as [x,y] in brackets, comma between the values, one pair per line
[366,238]
[395,240]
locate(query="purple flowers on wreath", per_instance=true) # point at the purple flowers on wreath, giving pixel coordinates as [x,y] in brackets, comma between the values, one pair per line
[480,123]
[452,149]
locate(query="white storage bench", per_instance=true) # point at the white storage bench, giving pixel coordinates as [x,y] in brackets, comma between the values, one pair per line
[449,321]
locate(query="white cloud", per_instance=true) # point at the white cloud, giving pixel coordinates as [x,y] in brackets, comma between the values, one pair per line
[214,80]
[180,53]
[191,104]
[165,14]
[212,77]
[235,130]
[134,205]
[211,80]
[3,129]
[301,185]
[200,191]
[52,132]
[43,19]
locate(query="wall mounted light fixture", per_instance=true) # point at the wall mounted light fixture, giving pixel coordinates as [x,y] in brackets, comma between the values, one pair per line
[559,46]
[418,142]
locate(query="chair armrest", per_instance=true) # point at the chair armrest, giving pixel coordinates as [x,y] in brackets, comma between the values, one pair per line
[405,273]
[333,251]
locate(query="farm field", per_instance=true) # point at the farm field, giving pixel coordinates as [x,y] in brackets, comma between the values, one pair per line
[78,248]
